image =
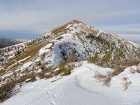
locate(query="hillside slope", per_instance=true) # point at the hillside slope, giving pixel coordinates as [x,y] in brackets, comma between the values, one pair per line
[80,88]
[80,39]
[56,52]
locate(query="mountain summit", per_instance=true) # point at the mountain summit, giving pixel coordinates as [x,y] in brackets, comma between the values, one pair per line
[55,52]
[78,38]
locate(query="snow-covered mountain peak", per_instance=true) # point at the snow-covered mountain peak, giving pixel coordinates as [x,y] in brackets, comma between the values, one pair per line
[83,40]
[57,52]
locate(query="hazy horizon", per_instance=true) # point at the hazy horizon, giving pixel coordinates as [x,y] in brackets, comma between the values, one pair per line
[28,19]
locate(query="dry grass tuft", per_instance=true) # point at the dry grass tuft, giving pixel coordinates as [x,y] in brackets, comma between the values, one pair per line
[6,91]
[28,75]
[138,68]
[130,63]
[105,79]
[126,83]
[31,51]
[118,70]
[59,29]
[91,30]
[126,64]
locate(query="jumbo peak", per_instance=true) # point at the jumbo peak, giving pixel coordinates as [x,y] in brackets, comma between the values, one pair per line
[71,26]
[75,21]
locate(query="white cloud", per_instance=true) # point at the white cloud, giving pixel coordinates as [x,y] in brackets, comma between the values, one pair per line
[40,16]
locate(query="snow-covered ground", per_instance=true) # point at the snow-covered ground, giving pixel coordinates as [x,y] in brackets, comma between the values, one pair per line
[80,88]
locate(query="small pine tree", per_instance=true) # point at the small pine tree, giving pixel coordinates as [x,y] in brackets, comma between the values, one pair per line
[94,59]
[64,69]
[107,57]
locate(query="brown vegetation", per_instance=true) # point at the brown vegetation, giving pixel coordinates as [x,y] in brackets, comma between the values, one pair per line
[93,31]
[31,51]
[64,68]
[126,82]
[59,29]
[105,79]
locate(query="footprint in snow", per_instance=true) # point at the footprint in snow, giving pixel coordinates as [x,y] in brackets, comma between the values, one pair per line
[52,103]
[55,96]
[48,92]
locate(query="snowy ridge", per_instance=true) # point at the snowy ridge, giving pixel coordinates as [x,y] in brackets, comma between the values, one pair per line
[80,88]
[12,51]
[85,41]
[75,35]
[57,45]
[39,58]
[72,38]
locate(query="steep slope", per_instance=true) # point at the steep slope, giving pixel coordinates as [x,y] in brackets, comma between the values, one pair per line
[74,41]
[86,41]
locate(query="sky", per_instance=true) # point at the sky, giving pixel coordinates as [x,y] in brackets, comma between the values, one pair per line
[27,19]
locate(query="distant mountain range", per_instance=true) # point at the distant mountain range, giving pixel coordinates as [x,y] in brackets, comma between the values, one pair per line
[5,42]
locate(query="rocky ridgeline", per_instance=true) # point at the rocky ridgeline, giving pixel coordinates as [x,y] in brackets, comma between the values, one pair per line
[84,41]
[10,52]
[80,40]
[74,41]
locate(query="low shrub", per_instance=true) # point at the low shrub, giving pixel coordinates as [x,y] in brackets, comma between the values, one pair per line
[6,91]
[105,79]
[64,69]
[94,59]
[126,83]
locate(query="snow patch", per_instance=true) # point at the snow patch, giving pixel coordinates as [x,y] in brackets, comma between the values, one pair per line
[80,88]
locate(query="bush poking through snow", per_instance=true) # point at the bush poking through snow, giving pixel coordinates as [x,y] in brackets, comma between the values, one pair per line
[118,70]
[130,63]
[126,83]
[43,56]
[132,71]
[6,91]
[138,68]
[64,69]
[94,59]
[105,79]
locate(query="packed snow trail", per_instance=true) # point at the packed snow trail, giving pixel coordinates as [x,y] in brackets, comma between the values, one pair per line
[73,94]
[79,88]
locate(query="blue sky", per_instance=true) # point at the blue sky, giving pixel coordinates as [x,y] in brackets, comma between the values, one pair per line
[31,18]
